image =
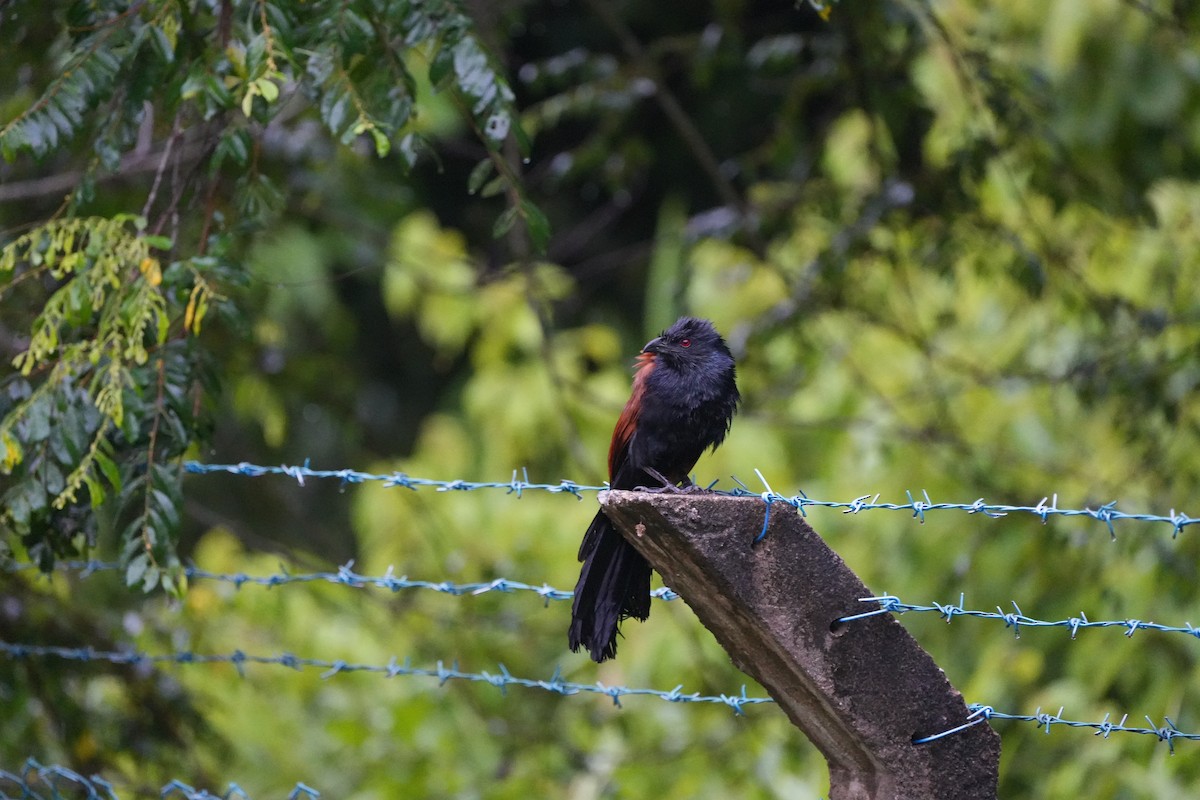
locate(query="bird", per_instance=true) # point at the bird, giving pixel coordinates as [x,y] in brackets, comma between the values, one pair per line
[683,400]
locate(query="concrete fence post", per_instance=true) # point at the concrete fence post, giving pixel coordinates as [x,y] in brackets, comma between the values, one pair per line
[860,692]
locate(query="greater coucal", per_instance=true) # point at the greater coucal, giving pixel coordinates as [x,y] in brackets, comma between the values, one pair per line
[683,399]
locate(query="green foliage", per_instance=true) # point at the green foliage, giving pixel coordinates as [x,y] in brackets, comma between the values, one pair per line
[100,400]
[90,258]
[54,118]
[101,335]
[347,59]
[953,247]
[98,716]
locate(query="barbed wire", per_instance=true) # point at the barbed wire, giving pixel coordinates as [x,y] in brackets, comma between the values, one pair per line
[1015,619]
[519,483]
[394,668]
[1168,732]
[978,712]
[346,576]
[36,781]
[300,473]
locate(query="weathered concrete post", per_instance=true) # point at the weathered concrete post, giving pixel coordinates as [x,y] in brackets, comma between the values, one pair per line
[861,693]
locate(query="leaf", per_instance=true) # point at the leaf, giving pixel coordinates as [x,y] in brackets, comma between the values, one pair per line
[218,95]
[524,143]
[65,103]
[22,501]
[441,68]
[383,144]
[151,270]
[51,477]
[335,109]
[505,221]
[10,453]
[175,582]
[161,43]
[96,493]
[135,570]
[495,186]
[537,224]
[194,84]
[71,436]
[268,89]
[163,329]
[481,172]
[233,145]
[37,420]
[109,469]
[248,101]
[151,578]
[408,149]
[165,506]
[189,313]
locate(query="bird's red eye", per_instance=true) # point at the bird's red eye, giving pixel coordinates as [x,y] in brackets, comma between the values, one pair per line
[686,343]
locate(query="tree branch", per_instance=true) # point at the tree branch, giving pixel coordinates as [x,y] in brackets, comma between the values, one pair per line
[676,114]
[64,182]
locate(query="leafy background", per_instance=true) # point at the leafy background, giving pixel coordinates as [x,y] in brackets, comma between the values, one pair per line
[954,248]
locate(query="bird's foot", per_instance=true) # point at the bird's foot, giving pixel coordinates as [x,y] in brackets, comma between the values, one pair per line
[668,486]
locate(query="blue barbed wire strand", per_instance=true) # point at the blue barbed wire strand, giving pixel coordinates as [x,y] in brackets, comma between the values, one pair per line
[516,485]
[1167,732]
[1046,508]
[978,713]
[887,603]
[394,668]
[35,778]
[344,576]
[1014,619]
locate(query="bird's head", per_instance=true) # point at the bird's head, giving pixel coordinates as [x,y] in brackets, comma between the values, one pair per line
[690,343]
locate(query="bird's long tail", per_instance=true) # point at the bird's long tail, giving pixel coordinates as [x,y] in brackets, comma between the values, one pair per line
[614,584]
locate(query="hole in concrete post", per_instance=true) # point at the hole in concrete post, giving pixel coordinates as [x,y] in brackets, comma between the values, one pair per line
[837,627]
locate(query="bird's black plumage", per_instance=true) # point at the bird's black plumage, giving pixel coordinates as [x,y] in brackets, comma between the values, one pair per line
[683,400]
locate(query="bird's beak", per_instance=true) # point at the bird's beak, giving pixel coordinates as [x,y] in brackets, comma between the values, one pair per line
[652,345]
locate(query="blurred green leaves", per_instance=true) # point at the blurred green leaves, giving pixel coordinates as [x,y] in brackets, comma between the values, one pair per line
[101,397]
[963,259]
[120,321]
[54,118]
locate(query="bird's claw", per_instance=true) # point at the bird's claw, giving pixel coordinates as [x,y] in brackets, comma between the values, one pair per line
[668,486]
[672,489]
